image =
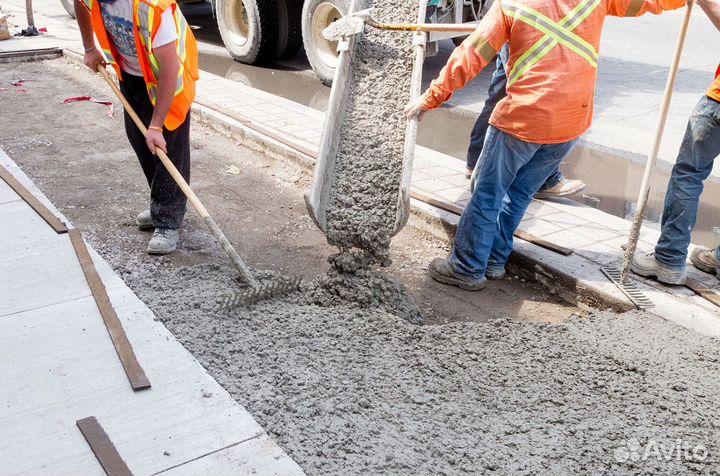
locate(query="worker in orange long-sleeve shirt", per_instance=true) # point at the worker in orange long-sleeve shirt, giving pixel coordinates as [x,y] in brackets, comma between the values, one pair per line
[552,72]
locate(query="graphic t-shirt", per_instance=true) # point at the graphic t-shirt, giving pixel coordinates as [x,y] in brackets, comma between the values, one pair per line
[118,18]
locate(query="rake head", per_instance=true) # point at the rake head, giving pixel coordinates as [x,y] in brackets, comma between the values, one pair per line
[349,25]
[628,288]
[272,290]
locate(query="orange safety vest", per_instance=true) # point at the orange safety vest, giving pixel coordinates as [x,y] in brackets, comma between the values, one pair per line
[146,20]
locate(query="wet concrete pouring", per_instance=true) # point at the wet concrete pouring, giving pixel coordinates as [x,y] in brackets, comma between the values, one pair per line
[505,381]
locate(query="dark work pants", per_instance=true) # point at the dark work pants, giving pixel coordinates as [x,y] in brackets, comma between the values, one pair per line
[167,202]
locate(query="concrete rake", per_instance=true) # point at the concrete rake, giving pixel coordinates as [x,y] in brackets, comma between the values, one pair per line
[620,276]
[256,291]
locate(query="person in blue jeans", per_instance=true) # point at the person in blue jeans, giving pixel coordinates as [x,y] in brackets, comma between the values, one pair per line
[698,151]
[557,185]
[700,147]
[519,167]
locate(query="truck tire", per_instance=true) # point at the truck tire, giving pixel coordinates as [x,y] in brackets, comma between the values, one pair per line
[69,6]
[321,53]
[289,31]
[249,28]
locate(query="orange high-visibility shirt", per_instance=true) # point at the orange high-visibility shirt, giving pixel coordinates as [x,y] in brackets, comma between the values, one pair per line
[714,91]
[552,68]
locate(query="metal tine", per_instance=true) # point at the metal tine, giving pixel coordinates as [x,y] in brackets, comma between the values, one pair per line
[628,288]
[253,295]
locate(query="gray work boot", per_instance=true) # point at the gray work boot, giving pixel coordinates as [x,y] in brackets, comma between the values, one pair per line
[646,265]
[563,188]
[163,241]
[441,271]
[706,260]
[144,220]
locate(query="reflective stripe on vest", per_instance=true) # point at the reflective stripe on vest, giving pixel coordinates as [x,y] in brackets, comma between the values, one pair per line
[145,20]
[109,56]
[555,32]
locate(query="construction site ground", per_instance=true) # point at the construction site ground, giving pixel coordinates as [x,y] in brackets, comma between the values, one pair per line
[510,380]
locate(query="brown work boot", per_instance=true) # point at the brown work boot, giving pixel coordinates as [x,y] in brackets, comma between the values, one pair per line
[705,260]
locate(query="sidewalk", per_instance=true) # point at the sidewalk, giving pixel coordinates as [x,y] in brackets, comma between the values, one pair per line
[59,366]
[291,131]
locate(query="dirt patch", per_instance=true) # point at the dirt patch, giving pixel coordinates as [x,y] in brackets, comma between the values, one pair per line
[361,391]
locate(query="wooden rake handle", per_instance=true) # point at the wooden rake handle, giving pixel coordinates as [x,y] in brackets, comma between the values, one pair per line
[644,192]
[239,264]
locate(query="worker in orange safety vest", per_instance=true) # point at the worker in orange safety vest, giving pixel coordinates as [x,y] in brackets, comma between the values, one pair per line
[551,71]
[154,53]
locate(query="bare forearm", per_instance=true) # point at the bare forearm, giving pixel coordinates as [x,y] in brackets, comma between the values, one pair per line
[712,10]
[85,23]
[167,82]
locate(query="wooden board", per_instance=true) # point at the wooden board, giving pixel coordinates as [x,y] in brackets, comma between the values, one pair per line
[703,291]
[135,373]
[102,447]
[457,210]
[31,200]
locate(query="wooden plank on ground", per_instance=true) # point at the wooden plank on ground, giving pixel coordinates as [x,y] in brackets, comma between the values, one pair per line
[31,200]
[135,373]
[103,448]
[703,291]
[458,210]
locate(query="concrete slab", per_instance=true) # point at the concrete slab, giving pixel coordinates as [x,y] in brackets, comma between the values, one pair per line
[59,366]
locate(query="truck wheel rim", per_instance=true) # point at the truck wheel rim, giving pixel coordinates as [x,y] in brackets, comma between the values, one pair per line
[237,21]
[325,14]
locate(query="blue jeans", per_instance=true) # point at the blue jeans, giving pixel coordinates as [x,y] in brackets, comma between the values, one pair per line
[509,173]
[496,91]
[700,147]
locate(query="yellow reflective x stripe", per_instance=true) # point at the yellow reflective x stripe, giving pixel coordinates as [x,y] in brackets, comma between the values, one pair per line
[543,46]
[562,35]
[554,33]
[182,30]
[109,56]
